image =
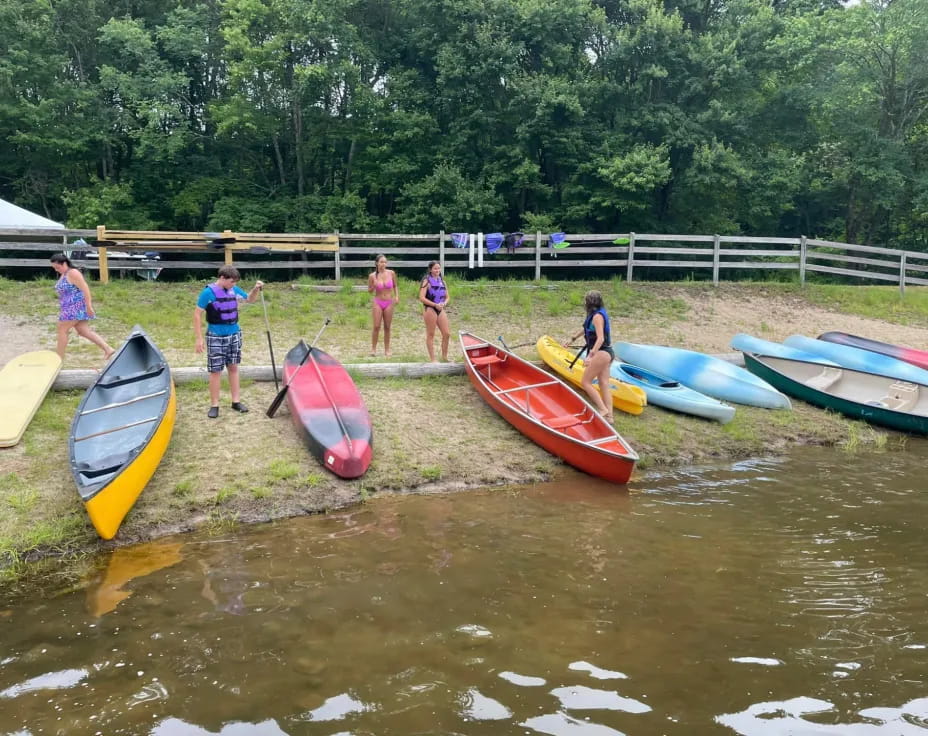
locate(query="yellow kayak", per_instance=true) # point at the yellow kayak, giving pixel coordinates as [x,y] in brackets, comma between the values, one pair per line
[24,381]
[625,397]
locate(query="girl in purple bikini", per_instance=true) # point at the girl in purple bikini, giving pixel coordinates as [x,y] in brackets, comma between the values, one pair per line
[76,306]
[433,293]
[382,284]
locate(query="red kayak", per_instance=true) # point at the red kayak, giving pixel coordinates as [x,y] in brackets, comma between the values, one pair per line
[900,352]
[547,411]
[328,411]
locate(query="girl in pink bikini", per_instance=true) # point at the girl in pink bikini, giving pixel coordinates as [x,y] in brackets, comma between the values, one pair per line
[383,285]
[76,306]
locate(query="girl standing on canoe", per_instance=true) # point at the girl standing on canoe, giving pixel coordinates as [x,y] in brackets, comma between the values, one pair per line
[433,293]
[599,356]
[75,306]
[383,285]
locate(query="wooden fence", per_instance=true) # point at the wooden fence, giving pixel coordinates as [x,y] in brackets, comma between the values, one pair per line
[335,253]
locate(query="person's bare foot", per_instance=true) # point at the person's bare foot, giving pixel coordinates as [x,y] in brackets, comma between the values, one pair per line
[388,354]
[108,355]
[373,353]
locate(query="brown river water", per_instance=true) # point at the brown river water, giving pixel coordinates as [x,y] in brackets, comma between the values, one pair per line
[783,596]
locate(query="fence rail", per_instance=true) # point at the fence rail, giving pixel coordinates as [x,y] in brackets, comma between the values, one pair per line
[631,253]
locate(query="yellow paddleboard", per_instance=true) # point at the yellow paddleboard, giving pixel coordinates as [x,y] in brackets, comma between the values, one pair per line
[625,397]
[24,381]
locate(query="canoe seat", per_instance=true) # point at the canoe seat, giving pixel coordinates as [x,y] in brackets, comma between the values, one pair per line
[562,421]
[824,380]
[902,396]
[108,464]
[150,372]
[486,360]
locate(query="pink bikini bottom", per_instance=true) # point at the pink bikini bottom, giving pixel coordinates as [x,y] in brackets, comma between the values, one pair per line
[383,303]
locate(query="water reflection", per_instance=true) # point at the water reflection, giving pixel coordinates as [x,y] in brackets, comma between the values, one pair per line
[126,564]
[766,598]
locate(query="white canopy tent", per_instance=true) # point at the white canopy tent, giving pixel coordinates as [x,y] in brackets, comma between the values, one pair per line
[15,217]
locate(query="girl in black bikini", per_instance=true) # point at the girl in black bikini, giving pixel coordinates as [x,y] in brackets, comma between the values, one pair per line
[597,335]
[433,293]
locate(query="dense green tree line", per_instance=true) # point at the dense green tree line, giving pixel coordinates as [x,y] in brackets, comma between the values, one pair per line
[773,117]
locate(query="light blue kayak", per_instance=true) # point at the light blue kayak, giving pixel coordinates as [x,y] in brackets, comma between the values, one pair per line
[858,359]
[750,344]
[670,394]
[704,373]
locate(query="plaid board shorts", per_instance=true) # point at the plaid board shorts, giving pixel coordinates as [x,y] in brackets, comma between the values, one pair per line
[223,350]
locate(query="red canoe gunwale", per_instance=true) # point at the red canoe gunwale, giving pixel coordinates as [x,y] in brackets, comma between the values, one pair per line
[560,421]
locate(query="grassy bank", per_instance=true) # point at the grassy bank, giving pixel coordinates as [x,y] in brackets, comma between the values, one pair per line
[430,434]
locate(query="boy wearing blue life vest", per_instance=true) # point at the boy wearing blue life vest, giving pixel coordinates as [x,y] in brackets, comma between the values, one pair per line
[219,303]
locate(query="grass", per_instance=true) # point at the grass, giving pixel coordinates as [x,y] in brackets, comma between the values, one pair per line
[216,475]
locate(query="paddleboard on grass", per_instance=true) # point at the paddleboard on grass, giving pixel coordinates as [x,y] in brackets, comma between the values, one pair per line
[24,381]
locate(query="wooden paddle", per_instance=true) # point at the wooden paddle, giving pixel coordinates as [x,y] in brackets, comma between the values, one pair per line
[279,399]
[270,345]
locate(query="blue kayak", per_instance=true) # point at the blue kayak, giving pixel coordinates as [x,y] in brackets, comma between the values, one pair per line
[859,359]
[704,373]
[750,344]
[670,394]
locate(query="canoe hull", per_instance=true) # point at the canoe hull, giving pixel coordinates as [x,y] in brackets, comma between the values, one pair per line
[24,382]
[121,430]
[328,412]
[859,359]
[899,352]
[109,507]
[669,394]
[547,411]
[703,373]
[794,377]
[625,396]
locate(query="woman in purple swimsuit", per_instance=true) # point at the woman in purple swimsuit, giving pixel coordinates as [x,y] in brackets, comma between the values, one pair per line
[433,293]
[76,306]
[382,284]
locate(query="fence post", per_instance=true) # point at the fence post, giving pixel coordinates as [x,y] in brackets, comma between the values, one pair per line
[228,255]
[631,257]
[802,260]
[715,260]
[902,273]
[104,274]
[470,250]
[479,250]
[441,249]
[104,265]
[538,255]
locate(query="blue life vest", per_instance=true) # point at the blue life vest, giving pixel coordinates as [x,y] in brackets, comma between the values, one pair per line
[436,291]
[589,330]
[223,310]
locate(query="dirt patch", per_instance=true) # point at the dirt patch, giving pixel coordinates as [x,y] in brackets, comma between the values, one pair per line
[20,336]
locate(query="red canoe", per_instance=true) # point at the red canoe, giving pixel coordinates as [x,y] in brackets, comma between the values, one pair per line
[328,411]
[547,411]
[900,352]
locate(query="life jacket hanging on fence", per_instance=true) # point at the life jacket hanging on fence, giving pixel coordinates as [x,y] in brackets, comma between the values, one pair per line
[514,240]
[493,242]
[460,240]
[557,241]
